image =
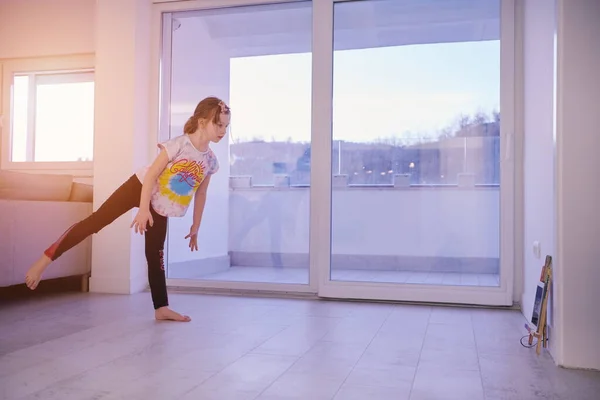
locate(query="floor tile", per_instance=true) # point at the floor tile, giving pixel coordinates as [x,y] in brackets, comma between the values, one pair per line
[513,377]
[400,376]
[450,358]
[444,336]
[66,393]
[439,384]
[301,386]
[108,347]
[351,392]
[245,378]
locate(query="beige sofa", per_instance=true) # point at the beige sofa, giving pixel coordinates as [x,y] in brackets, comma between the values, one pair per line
[35,209]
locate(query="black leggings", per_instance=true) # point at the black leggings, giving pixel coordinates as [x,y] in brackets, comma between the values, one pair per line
[126,197]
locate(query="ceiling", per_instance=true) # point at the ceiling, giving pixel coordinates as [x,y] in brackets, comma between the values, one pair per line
[286,28]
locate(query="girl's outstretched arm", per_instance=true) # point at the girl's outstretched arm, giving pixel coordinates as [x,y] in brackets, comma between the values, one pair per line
[199,202]
[144,216]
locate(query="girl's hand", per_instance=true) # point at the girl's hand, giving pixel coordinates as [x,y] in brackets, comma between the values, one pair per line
[142,220]
[193,236]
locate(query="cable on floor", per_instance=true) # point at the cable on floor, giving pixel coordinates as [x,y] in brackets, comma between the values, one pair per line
[528,345]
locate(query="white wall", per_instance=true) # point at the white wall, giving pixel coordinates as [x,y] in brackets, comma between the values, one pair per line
[35,28]
[538,56]
[428,222]
[200,68]
[578,184]
[121,137]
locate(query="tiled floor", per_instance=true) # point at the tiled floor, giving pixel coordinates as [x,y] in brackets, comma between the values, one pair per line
[300,276]
[91,346]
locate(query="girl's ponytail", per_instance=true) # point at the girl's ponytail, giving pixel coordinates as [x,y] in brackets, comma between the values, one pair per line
[191,125]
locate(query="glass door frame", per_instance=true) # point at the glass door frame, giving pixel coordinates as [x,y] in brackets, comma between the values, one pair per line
[160,100]
[320,240]
[321,183]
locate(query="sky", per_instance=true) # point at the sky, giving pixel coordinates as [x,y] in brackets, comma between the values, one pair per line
[64,120]
[403,91]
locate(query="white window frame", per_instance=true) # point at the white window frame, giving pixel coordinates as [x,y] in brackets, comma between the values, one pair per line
[320,195]
[41,66]
[320,211]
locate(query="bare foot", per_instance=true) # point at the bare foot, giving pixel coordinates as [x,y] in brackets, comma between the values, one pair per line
[34,275]
[166,314]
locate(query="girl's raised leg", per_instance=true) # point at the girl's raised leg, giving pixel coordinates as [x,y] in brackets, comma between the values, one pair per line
[126,197]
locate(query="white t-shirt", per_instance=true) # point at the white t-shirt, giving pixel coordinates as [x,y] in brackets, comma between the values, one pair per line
[177,184]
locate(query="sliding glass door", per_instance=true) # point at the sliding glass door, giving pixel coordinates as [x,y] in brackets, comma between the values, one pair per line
[370,151]
[257,58]
[420,182]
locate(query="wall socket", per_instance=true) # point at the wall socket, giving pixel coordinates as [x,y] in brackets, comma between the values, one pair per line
[537,249]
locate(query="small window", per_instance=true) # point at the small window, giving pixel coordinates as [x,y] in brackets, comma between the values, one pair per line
[52,117]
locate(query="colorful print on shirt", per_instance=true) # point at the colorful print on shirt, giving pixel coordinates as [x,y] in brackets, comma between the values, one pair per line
[179,182]
[186,170]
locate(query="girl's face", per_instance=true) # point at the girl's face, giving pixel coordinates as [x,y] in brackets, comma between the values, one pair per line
[216,131]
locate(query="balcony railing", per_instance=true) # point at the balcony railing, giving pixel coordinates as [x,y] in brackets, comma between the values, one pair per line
[415,229]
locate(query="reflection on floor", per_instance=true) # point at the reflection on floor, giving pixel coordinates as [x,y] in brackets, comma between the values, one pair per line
[300,276]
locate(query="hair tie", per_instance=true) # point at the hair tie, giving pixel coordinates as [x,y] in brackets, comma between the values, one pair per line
[224,108]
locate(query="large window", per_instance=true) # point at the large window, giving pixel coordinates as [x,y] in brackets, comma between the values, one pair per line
[48,109]
[52,117]
[416,105]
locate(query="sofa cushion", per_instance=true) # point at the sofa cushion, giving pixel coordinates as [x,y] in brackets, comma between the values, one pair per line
[40,187]
[82,192]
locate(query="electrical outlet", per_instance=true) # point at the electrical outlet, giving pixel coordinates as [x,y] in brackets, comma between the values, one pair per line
[537,249]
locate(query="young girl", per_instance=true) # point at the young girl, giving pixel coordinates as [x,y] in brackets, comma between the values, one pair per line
[164,189]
